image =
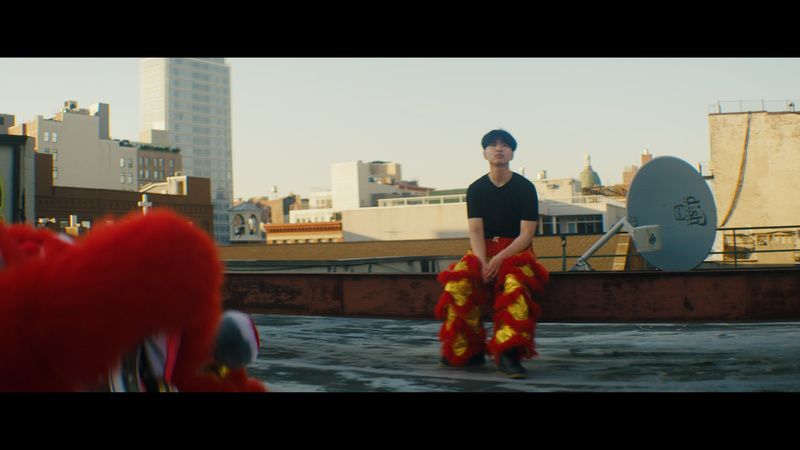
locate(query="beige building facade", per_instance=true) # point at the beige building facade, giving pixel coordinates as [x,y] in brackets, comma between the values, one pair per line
[303,233]
[445,217]
[361,184]
[755,158]
[83,153]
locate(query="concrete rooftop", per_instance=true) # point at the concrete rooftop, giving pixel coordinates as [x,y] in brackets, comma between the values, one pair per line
[334,354]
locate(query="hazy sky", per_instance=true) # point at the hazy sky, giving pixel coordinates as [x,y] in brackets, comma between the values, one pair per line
[293,118]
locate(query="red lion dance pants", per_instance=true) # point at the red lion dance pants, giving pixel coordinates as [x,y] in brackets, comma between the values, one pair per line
[515,312]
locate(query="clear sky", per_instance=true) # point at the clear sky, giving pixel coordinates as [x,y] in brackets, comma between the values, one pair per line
[293,118]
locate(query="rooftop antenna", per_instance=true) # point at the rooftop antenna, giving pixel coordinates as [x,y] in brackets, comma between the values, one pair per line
[144,204]
[671,216]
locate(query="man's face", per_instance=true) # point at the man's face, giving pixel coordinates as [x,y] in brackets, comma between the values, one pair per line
[498,152]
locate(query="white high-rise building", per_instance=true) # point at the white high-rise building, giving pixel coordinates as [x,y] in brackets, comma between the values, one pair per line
[188,102]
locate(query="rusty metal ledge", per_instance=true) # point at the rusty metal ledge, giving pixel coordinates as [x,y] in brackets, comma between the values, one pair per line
[644,296]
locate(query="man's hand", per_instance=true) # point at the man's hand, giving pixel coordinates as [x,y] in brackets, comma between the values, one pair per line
[491,268]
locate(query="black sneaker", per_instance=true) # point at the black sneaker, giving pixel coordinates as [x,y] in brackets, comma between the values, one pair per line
[510,366]
[478,360]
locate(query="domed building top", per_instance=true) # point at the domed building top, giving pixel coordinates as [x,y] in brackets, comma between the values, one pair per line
[588,177]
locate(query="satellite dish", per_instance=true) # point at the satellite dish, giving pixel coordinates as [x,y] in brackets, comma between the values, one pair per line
[671,216]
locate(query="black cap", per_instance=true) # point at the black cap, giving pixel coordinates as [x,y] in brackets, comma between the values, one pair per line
[503,135]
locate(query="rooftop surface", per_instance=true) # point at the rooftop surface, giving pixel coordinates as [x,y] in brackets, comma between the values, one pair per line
[332,354]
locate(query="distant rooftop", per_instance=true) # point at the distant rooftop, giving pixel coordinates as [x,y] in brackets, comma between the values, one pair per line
[146,146]
[741,106]
[436,192]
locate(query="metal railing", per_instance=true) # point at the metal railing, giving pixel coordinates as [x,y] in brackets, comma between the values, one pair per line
[738,106]
[433,264]
[462,198]
[736,252]
[433,200]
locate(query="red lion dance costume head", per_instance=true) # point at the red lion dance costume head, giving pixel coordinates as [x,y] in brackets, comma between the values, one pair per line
[74,314]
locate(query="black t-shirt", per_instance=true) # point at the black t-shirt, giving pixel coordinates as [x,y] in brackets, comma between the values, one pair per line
[502,208]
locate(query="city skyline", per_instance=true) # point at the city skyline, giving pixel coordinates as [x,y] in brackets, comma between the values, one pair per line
[293,118]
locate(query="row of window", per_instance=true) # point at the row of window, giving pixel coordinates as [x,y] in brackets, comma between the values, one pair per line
[206,151]
[195,85]
[145,161]
[212,163]
[213,174]
[201,109]
[312,219]
[184,139]
[200,119]
[219,100]
[589,224]
[202,131]
[304,241]
[46,136]
[157,174]
[199,76]
[128,176]
[209,67]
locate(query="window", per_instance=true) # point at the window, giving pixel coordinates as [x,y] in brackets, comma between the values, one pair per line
[130,178]
[47,136]
[130,163]
[122,162]
[155,174]
[171,163]
[141,161]
[141,172]
[549,225]
[55,155]
[122,178]
[572,228]
[588,224]
[55,136]
[55,172]
[147,173]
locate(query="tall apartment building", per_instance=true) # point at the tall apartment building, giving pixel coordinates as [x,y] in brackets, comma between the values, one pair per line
[186,103]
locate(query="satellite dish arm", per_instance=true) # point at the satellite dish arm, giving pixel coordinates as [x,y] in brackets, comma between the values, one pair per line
[582,264]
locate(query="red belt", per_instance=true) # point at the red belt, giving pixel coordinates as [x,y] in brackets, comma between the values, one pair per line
[496,244]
